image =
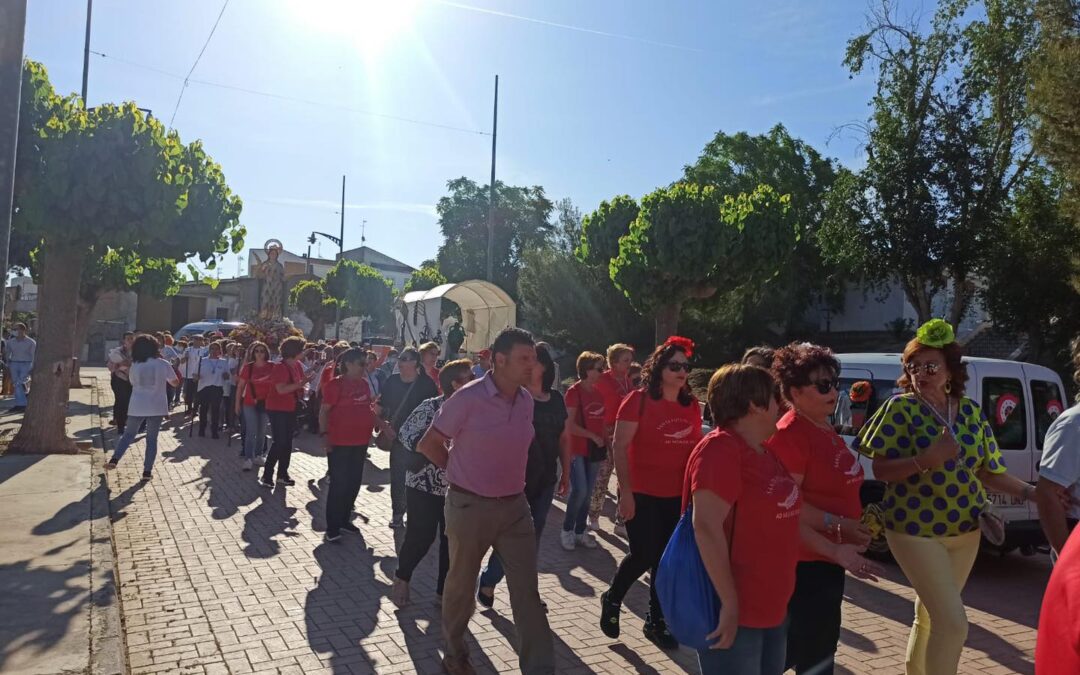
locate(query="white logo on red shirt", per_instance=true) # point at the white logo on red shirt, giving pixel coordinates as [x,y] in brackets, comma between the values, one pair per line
[675,429]
[594,409]
[854,469]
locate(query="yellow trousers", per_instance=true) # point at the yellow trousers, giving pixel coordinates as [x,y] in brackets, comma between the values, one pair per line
[937,568]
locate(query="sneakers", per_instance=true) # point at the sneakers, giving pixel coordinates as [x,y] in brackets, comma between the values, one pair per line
[331,537]
[111,464]
[285,480]
[350,528]
[567,539]
[399,595]
[266,482]
[656,632]
[457,666]
[586,539]
[397,521]
[594,523]
[609,616]
[147,475]
[620,530]
[248,464]
[486,599]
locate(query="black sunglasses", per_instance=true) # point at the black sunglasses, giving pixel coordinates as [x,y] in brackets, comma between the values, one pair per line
[677,366]
[825,386]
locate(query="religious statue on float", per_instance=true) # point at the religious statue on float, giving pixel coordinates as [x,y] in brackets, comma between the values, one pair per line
[272,276]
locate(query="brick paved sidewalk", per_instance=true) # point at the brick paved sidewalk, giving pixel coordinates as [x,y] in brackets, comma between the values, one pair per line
[218,575]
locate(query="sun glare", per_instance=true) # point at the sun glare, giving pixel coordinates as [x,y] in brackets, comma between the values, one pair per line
[370,25]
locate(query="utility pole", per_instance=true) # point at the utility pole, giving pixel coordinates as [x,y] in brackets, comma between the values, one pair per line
[491,188]
[12,32]
[341,256]
[86,51]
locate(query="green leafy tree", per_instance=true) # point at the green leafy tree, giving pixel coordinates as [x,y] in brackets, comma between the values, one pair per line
[112,178]
[739,163]
[311,298]
[602,229]
[522,222]
[425,278]
[1032,270]
[361,291]
[947,142]
[1055,83]
[689,242]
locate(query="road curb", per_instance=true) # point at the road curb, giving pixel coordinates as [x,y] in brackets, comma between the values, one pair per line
[108,649]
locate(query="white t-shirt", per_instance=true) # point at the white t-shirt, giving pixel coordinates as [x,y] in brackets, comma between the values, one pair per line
[189,361]
[148,380]
[1060,462]
[213,373]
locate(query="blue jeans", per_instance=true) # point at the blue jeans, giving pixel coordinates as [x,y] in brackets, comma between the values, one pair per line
[582,479]
[493,573]
[19,371]
[254,430]
[756,651]
[153,424]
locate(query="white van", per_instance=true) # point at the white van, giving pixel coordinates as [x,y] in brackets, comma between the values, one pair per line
[1019,399]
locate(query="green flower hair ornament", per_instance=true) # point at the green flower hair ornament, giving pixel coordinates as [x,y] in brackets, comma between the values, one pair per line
[935,333]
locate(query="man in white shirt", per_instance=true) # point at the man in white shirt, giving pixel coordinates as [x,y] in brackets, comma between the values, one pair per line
[211,378]
[119,363]
[20,352]
[1059,473]
[189,368]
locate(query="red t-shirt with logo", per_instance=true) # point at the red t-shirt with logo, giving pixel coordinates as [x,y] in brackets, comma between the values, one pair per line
[1057,651]
[281,375]
[258,379]
[764,539]
[350,421]
[592,407]
[614,392]
[667,432]
[831,473]
[327,374]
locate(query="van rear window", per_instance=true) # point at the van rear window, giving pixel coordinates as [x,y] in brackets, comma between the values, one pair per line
[1003,405]
[858,403]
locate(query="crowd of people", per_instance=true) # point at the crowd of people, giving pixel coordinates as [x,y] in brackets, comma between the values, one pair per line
[479,449]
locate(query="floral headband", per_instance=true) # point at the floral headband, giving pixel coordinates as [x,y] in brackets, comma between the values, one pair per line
[936,333]
[685,344]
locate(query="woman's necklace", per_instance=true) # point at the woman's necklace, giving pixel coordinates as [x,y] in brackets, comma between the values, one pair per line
[834,438]
[945,421]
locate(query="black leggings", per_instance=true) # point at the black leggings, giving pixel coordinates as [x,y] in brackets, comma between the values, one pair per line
[648,532]
[122,393]
[282,427]
[814,616]
[426,515]
[346,464]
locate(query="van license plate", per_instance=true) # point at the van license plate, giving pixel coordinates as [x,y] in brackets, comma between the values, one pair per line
[1002,500]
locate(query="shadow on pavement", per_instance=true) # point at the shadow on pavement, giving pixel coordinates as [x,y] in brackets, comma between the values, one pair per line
[268,519]
[565,658]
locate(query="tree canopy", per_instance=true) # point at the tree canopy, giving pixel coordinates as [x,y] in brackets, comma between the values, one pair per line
[425,278]
[311,298]
[361,291]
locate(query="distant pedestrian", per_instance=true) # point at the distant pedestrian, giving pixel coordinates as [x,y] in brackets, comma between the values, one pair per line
[150,377]
[429,359]
[481,437]
[346,419]
[587,414]
[170,353]
[287,381]
[119,363]
[658,425]
[400,396]
[190,359]
[483,363]
[253,388]
[549,449]
[210,381]
[425,489]
[615,384]
[371,369]
[20,351]
[389,366]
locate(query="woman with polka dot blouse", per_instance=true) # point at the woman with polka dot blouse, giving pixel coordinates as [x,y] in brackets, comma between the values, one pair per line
[936,450]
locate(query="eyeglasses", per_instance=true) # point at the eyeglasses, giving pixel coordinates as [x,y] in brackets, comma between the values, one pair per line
[929,368]
[678,366]
[825,386]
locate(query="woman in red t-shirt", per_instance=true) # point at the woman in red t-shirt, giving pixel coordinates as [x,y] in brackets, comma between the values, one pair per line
[830,476]
[347,420]
[287,380]
[585,410]
[253,386]
[656,428]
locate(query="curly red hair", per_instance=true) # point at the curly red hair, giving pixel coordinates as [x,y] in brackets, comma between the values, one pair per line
[793,365]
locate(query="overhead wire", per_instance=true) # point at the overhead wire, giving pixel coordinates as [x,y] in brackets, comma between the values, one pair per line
[197,59]
[284,97]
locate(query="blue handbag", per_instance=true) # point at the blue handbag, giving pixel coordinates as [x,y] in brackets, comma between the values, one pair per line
[691,606]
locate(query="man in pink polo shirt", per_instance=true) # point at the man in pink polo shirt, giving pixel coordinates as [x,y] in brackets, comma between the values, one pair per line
[481,436]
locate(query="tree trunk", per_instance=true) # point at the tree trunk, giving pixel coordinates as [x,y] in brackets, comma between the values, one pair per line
[919,298]
[963,291]
[43,429]
[667,321]
[83,311]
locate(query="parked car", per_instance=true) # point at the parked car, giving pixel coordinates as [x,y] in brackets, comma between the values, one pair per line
[1020,400]
[208,325]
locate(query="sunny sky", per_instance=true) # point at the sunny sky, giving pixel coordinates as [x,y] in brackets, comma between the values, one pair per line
[596,98]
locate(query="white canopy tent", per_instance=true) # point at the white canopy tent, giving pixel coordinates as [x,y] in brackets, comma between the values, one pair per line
[485,310]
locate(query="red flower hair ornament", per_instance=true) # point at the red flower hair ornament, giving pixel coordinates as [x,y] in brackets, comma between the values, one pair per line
[686,344]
